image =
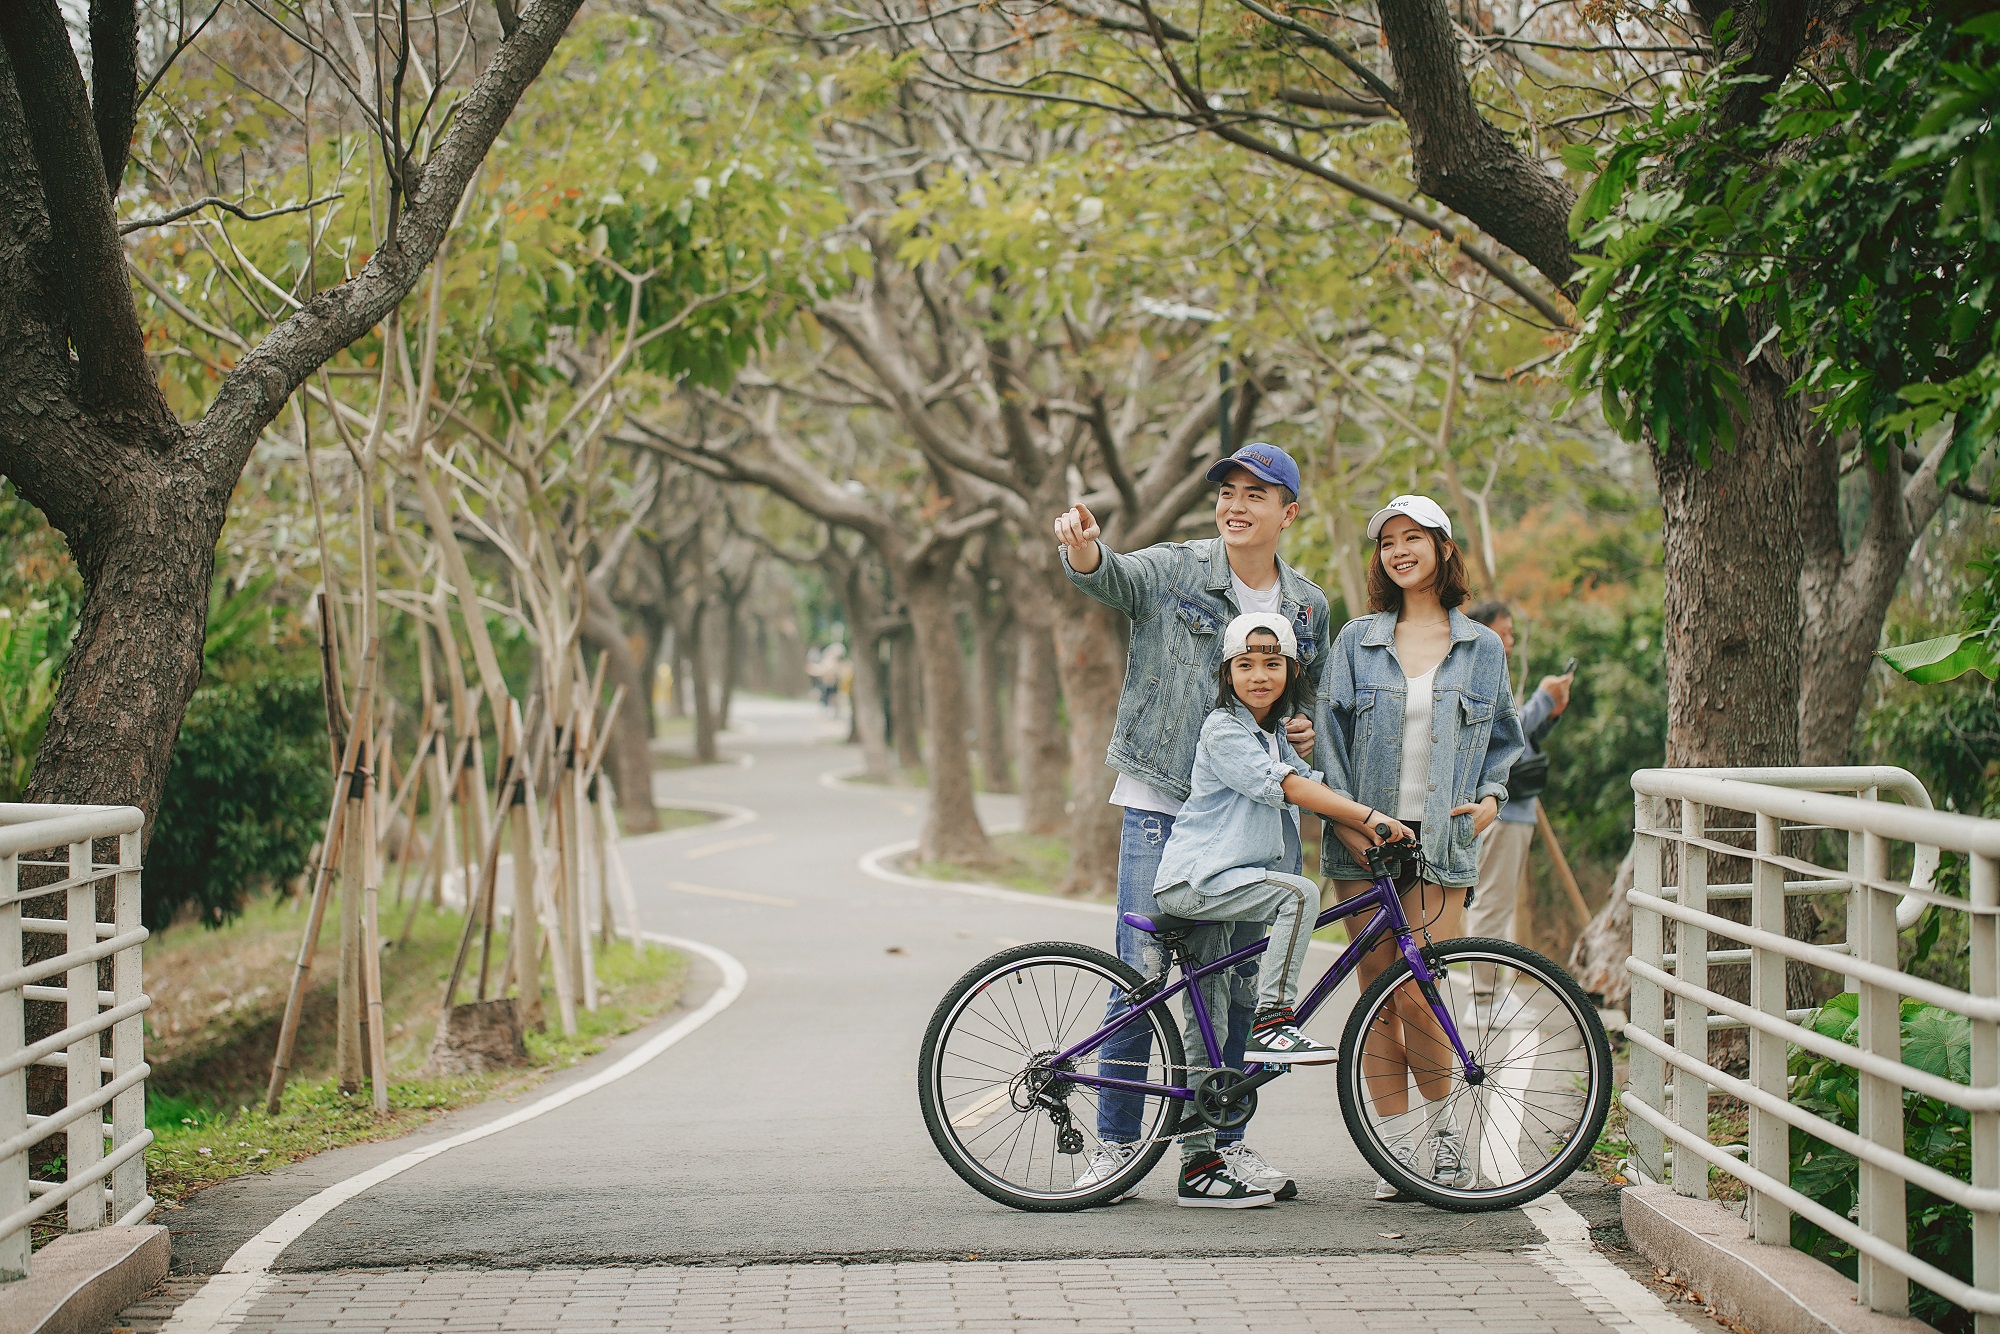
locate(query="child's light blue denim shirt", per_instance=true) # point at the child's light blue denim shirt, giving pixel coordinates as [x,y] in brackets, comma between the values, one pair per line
[1475,740]
[1236,826]
[1179,597]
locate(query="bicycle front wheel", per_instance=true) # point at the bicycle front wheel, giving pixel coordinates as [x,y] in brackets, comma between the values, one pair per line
[1544,1089]
[995,1094]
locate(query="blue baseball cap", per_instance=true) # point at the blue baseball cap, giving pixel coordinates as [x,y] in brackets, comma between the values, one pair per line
[1260,460]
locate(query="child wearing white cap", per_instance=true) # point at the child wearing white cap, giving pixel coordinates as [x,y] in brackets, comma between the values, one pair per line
[1223,861]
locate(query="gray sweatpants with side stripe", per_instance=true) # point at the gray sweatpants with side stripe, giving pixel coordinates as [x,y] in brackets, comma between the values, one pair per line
[1289,903]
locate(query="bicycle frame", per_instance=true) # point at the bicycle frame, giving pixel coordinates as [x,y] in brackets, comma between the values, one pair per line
[1381,895]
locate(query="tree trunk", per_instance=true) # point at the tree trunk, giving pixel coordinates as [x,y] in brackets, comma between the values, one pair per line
[905,702]
[730,668]
[1040,744]
[1597,960]
[870,725]
[1845,595]
[1090,656]
[147,557]
[990,663]
[627,758]
[952,832]
[1733,564]
[694,645]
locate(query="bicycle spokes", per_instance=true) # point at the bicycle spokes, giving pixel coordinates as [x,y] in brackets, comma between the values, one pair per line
[1541,1079]
[1009,1115]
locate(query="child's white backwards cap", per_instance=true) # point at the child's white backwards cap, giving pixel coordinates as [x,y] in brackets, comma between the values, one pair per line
[1236,639]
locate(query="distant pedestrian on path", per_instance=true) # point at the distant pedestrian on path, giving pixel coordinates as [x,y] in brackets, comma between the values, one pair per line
[1180,596]
[1229,860]
[1503,848]
[1418,723]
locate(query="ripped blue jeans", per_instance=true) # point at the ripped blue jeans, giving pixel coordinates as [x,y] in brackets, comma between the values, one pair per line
[1140,845]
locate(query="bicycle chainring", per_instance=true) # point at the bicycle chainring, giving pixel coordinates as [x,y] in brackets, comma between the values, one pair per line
[1217,1106]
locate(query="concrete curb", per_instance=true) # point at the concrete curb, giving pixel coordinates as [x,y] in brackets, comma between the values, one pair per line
[1772,1289]
[77,1284]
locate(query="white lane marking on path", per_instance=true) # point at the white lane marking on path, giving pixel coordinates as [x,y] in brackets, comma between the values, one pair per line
[730,845]
[227,1298]
[1606,1291]
[739,895]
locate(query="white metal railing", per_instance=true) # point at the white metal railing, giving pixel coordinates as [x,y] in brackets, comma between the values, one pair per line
[47,851]
[1678,844]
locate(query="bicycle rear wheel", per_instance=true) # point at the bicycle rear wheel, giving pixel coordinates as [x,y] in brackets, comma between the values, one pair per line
[993,1094]
[1535,1114]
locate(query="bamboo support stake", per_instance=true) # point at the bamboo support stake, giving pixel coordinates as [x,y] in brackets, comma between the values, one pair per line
[487,884]
[615,864]
[542,903]
[331,853]
[353,870]
[371,961]
[1563,873]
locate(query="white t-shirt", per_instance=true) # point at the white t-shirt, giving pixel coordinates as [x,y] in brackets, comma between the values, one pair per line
[1416,748]
[1128,791]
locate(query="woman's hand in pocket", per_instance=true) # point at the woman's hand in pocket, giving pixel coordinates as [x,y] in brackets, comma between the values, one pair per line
[1484,813]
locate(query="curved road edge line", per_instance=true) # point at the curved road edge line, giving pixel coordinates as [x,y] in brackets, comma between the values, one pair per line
[875,864]
[226,1299]
[731,816]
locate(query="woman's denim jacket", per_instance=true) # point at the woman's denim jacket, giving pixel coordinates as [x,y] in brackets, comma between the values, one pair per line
[1180,600]
[1237,826]
[1475,740]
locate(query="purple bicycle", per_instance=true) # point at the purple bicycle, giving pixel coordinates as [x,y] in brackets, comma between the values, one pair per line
[1484,1040]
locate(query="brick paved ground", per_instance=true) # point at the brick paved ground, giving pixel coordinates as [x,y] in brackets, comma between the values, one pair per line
[1490,1293]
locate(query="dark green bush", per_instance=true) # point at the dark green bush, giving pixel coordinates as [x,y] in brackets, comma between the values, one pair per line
[1937,1042]
[245,797]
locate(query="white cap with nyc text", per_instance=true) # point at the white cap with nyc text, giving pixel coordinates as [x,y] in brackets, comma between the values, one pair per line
[1421,508]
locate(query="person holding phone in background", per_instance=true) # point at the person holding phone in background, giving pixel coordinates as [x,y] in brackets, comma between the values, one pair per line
[1503,848]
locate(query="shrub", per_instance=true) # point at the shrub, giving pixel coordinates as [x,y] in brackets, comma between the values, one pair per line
[1937,1042]
[244,799]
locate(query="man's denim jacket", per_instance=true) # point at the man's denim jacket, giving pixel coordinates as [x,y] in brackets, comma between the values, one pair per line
[1475,740]
[1237,826]
[1180,600]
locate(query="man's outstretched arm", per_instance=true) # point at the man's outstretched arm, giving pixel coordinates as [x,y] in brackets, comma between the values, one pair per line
[1127,583]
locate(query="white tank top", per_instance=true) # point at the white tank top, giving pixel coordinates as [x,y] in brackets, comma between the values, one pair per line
[1417,732]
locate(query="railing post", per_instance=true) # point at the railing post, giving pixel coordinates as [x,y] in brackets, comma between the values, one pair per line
[1647,1073]
[1985,970]
[14,1084]
[85,1135]
[1691,1016]
[1883,1210]
[1770,1138]
[128,1040]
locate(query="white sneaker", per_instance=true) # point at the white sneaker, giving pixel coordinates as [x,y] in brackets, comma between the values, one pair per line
[1106,1161]
[1406,1154]
[1246,1165]
[1448,1167]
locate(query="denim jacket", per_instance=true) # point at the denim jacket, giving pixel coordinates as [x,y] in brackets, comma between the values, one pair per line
[1237,825]
[1476,741]
[1180,600]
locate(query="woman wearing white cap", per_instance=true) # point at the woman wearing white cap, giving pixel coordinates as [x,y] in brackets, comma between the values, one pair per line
[1417,723]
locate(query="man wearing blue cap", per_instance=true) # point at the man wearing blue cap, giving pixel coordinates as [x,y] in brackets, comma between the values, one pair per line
[1180,596]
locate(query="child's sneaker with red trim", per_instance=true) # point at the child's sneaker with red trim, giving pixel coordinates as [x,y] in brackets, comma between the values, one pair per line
[1275,1040]
[1207,1183]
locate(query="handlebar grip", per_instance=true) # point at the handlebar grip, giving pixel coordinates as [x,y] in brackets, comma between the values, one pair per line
[1382,831]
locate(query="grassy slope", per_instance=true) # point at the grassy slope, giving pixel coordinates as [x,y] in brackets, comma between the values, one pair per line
[218,999]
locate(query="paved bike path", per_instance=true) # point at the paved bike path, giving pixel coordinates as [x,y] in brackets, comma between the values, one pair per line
[787,1129]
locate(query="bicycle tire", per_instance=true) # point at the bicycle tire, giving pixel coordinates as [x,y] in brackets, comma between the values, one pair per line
[945,1120]
[1561,996]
